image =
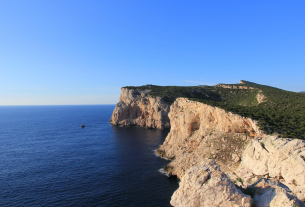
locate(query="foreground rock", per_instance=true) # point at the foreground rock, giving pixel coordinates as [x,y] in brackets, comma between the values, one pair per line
[283,159]
[271,193]
[207,185]
[138,108]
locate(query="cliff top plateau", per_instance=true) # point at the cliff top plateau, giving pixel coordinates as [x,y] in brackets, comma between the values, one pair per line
[278,111]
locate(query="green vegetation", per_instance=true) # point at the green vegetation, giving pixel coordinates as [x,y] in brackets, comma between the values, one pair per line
[263,145]
[240,180]
[282,112]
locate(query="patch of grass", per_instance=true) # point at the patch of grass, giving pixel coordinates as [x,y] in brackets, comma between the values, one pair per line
[240,180]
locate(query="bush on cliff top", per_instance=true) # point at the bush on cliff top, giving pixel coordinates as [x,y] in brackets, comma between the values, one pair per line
[281,112]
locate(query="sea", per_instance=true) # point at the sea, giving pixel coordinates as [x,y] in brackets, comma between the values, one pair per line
[47,159]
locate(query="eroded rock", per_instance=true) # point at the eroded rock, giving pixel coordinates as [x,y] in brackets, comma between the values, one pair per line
[278,158]
[201,131]
[206,185]
[138,108]
[272,193]
[260,97]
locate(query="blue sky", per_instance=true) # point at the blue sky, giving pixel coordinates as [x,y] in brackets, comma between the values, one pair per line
[83,52]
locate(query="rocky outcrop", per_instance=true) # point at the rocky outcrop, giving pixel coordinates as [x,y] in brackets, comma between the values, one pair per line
[234,87]
[207,185]
[139,108]
[260,97]
[201,131]
[272,193]
[280,158]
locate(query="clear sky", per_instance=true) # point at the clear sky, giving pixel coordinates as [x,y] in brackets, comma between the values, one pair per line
[84,51]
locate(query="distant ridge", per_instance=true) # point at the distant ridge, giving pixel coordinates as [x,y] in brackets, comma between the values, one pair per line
[302,92]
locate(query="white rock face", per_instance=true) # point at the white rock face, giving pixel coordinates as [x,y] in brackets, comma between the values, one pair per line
[275,157]
[260,97]
[206,185]
[138,108]
[201,131]
[271,193]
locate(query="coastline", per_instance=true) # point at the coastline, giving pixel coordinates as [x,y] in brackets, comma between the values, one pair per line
[199,132]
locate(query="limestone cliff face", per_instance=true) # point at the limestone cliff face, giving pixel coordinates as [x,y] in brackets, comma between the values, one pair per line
[201,131]
[271,193]
[240,149]
[202,136]
[207,185]
[260,97]
[138,108]
[279,158]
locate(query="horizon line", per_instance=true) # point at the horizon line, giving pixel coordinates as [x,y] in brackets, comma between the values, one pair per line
[57,105]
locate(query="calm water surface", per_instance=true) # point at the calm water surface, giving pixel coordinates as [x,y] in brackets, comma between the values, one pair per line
[47,159]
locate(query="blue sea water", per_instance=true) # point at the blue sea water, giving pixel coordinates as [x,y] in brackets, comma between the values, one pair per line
[47,159]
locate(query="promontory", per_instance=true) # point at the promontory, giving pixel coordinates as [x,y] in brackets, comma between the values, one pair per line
[229,144]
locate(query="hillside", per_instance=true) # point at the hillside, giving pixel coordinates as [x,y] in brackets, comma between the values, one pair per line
[278,111]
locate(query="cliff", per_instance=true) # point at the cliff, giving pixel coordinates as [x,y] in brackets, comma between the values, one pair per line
[241,150]
[211,148]
[201,131]
[148,105]
[136,107]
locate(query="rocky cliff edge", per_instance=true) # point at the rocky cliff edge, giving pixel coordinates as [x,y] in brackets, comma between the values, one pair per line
[138,108]
[201,136]
[241,150]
